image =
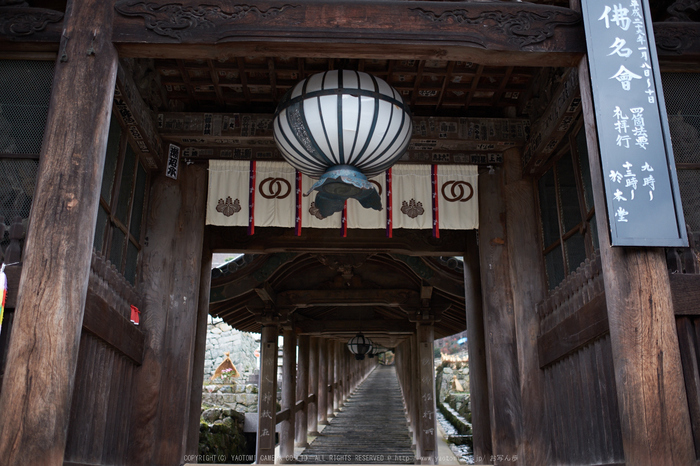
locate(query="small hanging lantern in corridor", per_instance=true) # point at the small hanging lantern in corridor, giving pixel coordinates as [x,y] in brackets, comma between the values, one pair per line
[359,346]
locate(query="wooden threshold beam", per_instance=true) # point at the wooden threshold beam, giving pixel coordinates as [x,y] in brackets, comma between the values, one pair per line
[484,32]
[585,325]
[269,240]
[324,327]
[111,327]
[350,297]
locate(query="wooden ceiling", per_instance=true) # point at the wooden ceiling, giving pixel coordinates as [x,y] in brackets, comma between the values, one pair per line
[337,295]
[431,87]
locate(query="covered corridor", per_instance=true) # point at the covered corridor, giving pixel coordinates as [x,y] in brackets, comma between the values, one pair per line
[370,428]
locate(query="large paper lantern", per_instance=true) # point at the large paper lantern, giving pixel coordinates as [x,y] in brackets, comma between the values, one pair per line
[342,127]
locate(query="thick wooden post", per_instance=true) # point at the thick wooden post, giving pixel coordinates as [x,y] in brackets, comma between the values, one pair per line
[528,290]
[648,374]
[43,353]
[200,347]
[171,274]
[427,443]
[478,379]
[322,381]
[303,392]
[499,319]
[289,377]
[267,394]
[313,385]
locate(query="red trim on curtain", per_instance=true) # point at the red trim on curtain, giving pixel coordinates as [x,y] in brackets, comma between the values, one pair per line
[436,213]
[251,199]
[344,221]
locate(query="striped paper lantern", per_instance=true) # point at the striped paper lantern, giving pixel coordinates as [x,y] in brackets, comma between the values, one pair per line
[343,127]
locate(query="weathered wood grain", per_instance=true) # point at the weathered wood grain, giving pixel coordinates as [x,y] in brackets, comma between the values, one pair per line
[200,347]
[518,33]
[35,405]
[107,324]
[476,340]
[652,400]
[579,329]
[499,318]
[171,272]
[685,289]
[528,289]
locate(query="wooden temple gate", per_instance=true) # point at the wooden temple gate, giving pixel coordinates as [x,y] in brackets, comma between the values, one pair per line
[595,364]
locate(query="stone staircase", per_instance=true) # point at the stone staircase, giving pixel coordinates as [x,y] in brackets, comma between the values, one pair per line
[370,428]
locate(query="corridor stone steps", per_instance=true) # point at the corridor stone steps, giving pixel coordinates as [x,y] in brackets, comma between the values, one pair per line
[370,428]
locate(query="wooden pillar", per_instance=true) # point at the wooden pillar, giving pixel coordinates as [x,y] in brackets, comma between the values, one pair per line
[302,416]
[313,385]
[499,319]
[267,394]
[322,381]
[648,374]
[476,341]
[43,352]
[528,289]
[330,408]
[200,347]
[289,377]
[171,271]
[414,390]
[427,435]
[338,377]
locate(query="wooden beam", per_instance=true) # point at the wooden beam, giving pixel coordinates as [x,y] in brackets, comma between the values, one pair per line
[489,33]
[348,297]
[205,136]
[35,404]
[108,325]
[328,327]
[554,125]
[685,289]
[678,45]
[136,117]
[270,240]
[584,326]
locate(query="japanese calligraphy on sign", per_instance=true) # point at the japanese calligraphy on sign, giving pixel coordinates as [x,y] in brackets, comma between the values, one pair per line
[173,161]
[641,187]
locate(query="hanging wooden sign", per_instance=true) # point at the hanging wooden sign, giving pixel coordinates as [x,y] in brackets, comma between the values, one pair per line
[641,187]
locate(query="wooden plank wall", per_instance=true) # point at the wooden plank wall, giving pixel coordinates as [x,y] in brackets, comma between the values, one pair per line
[684,268]
[576,356]
[110,348]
